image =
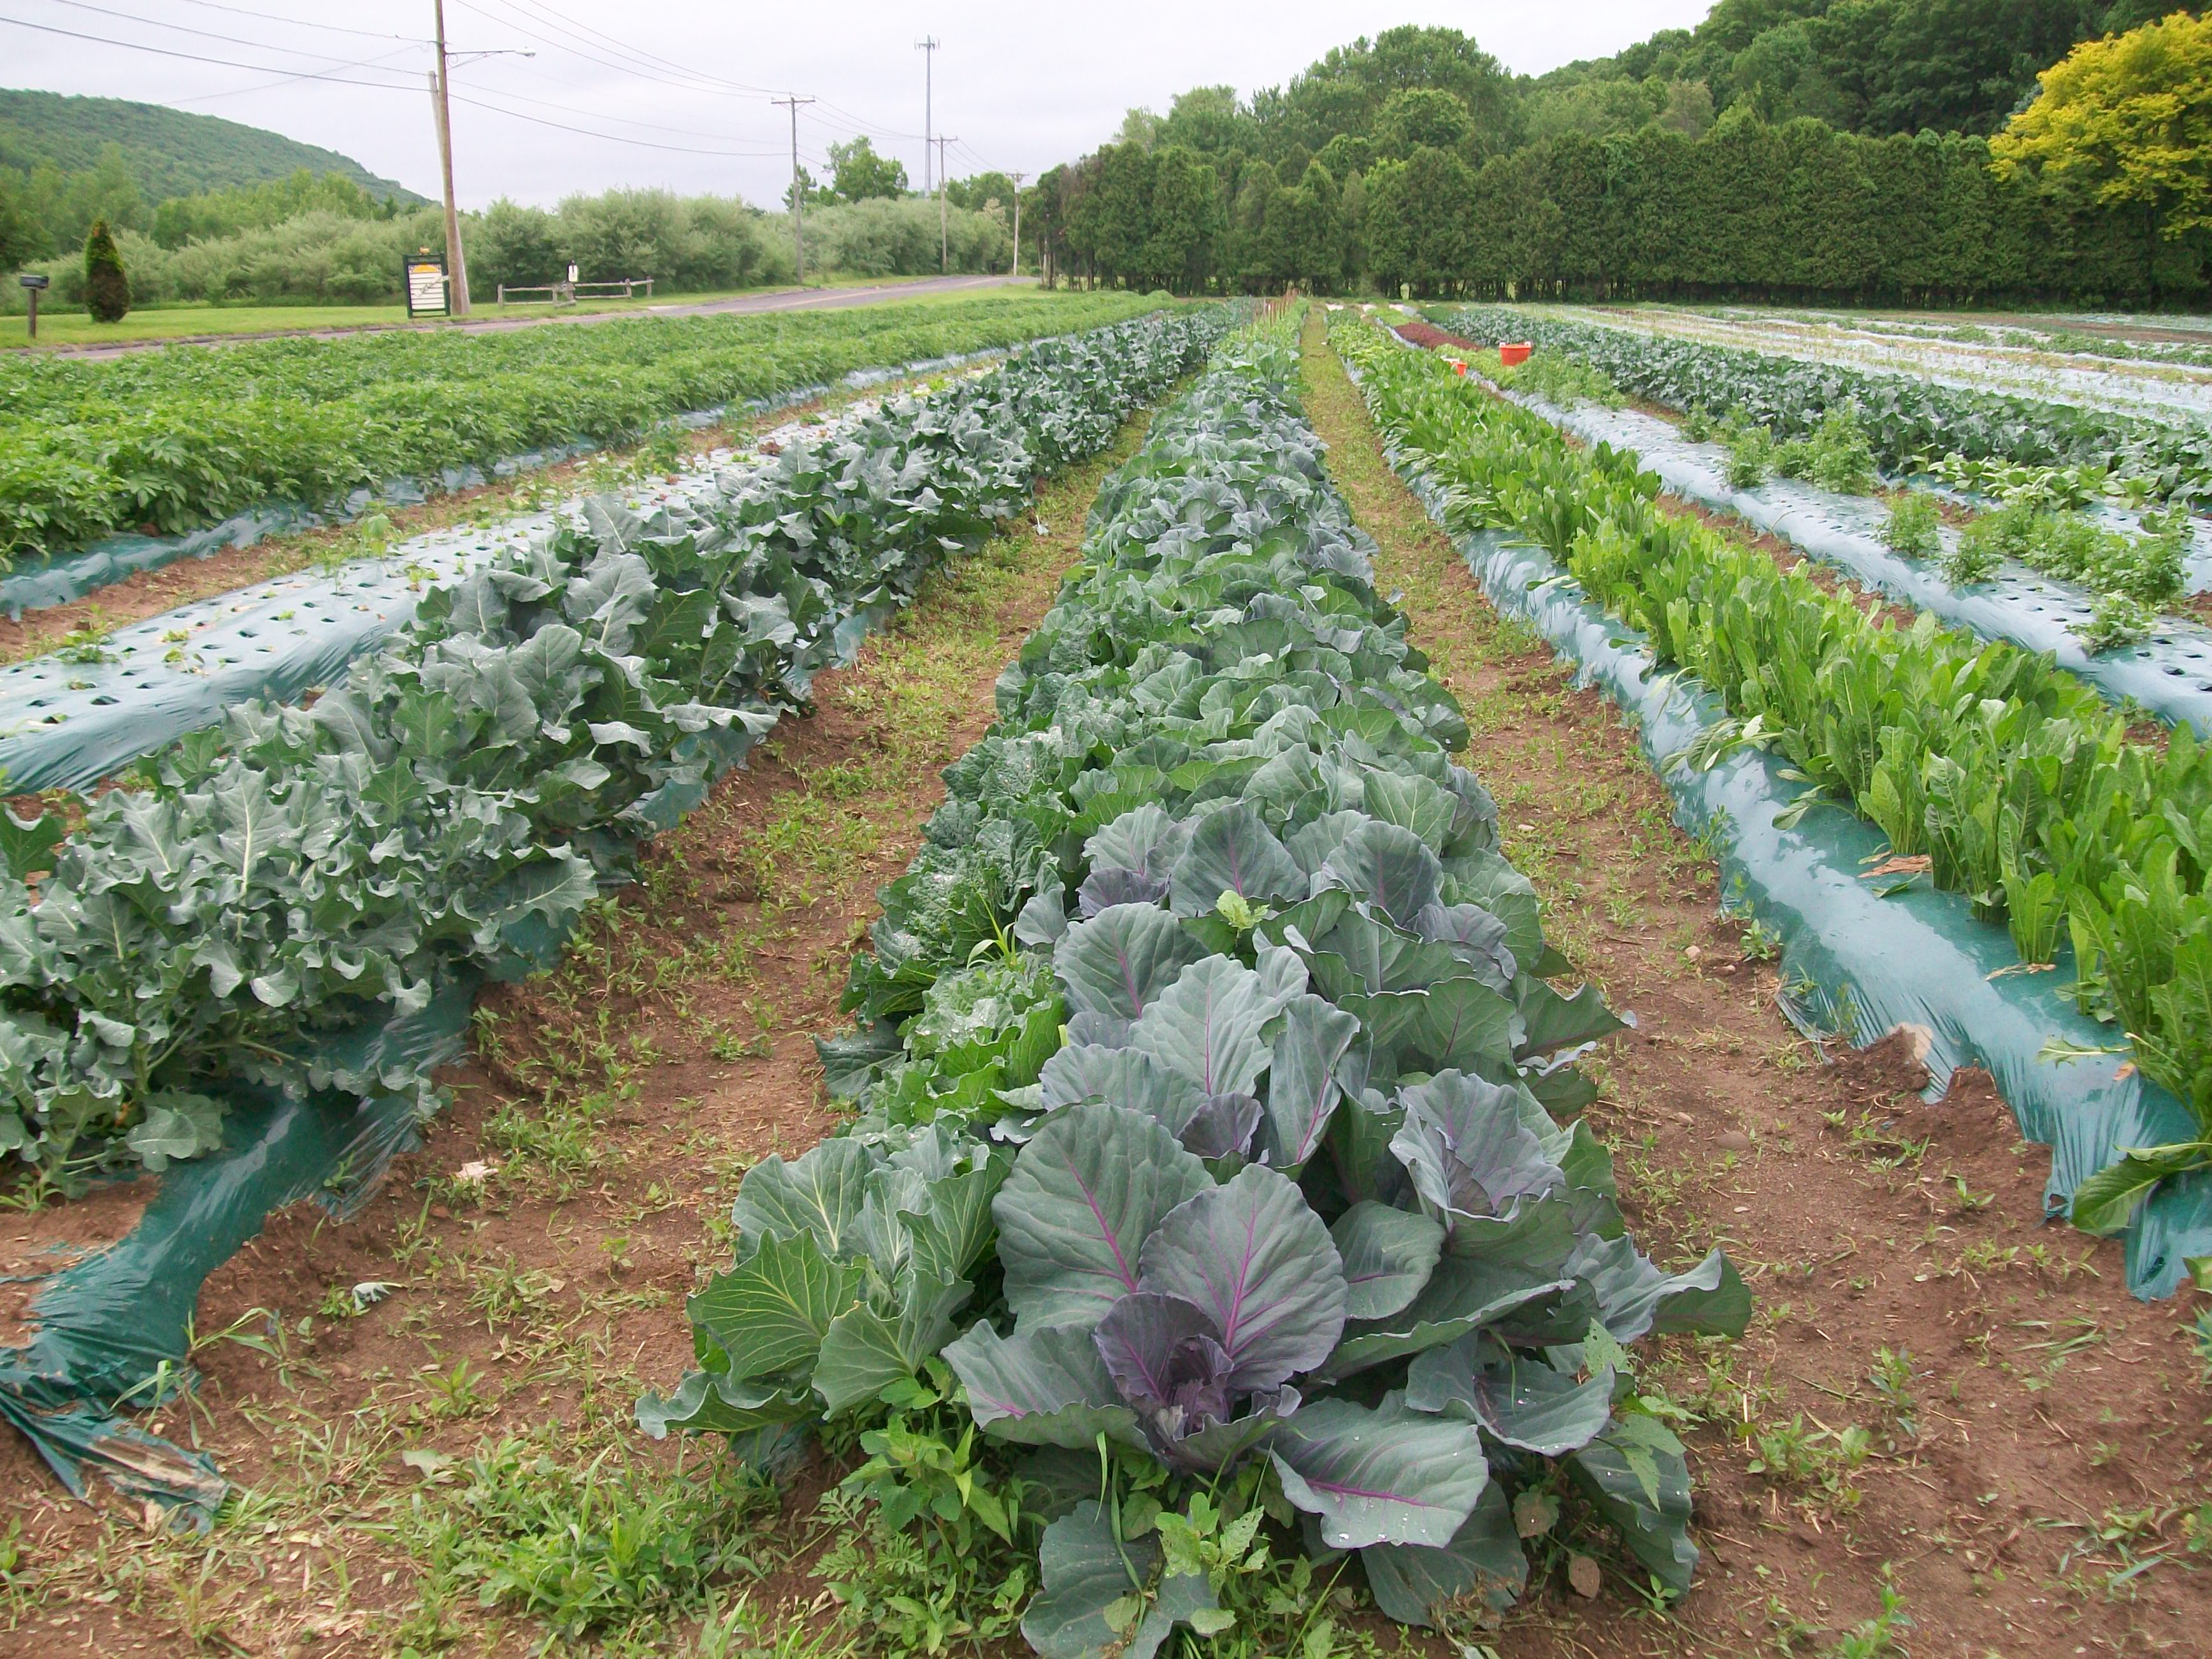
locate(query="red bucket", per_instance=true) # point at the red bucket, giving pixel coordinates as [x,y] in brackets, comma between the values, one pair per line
[1514,356]
[1459,366]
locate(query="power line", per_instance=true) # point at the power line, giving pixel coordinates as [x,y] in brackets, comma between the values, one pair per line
[305,23]
[385,86]
[200,57]
[286,79]
[627,62]
[210,34]
[851,123]
[597,115]
[540,8]
[609,137]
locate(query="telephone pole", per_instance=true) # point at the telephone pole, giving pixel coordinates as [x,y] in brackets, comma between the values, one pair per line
[1018,177]
[928,44]
[457,270]
[797,188]
[943,238]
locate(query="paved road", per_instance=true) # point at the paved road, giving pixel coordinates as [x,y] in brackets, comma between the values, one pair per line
[796,298]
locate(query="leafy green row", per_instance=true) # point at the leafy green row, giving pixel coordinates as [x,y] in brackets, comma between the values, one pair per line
[2130,578]
[467,788]
[1909,421]
[2022,788]
[175,439]
[1210,1145]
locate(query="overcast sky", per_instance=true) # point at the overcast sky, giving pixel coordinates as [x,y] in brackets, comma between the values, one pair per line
[1016,83]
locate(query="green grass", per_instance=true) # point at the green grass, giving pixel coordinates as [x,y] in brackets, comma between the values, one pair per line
[189,321]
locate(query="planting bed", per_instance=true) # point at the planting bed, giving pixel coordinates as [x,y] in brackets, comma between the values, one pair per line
[2167,672]
[1933,738]
[1972,444]
[2017,363]
[1945,1427]
[169,446]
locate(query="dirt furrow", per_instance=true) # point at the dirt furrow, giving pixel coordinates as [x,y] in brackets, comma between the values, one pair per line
[1940,1397]
[432,1404]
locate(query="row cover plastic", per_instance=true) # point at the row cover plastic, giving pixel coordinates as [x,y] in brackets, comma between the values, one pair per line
[105,1325]
[110,1331]
[42,580]
[66,725]
[1861,963]
[2170,673]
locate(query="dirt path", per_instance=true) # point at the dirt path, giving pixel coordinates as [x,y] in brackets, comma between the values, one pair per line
[793,299]
[1937,1394]
[434,1404]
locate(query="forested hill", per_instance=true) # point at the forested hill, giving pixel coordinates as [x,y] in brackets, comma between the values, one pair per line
[169,152]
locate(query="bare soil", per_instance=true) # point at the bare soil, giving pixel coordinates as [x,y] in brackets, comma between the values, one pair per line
[2057,1426]
[2030,1483]
[538,1249]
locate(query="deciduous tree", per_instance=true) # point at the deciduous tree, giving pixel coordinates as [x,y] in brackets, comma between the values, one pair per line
[2124,120]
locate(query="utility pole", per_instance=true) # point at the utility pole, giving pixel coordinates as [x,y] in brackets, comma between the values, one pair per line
[798,187]
[944,235]
[928,44]
[457,270]
[1018,223]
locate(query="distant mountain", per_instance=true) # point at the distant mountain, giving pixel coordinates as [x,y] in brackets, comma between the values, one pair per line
[171,153]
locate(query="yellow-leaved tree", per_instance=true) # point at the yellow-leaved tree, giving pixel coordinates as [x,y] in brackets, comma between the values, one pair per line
[2127,120]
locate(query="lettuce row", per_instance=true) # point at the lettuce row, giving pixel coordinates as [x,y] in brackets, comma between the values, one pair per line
[1905,418]
[2021,787]
[467,789]
[1210,1090]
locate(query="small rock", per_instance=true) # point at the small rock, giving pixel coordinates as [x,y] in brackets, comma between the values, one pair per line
[1734,1140]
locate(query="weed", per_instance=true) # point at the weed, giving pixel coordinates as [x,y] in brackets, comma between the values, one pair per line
[1750,456]
[1892,1379]
[1818,1458]
[1911,530]
[456,1392]
[1877,1637]
[611,1548]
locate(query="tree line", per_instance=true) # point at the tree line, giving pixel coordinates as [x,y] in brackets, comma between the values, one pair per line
[1426,185]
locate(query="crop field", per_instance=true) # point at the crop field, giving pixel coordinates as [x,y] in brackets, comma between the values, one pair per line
[168,441]
[2171,382]
[1102,976]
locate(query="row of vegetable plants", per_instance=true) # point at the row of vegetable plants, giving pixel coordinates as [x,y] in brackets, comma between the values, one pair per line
[1967,579]
[2017,785]
[82,713]
[1213,1154]
[1911,424]
[167,441]
[2131,579]
[298,870]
